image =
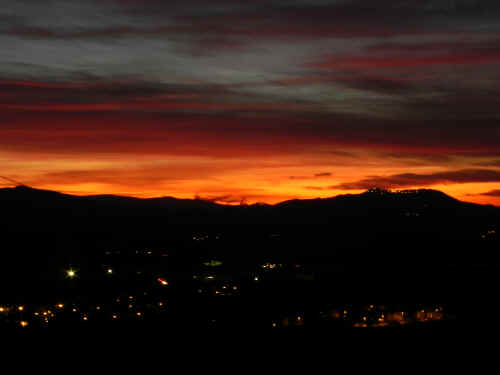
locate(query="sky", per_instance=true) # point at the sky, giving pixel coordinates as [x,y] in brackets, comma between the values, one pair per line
[251,100]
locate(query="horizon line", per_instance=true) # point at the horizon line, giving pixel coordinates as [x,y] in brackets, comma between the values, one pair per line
[241,203]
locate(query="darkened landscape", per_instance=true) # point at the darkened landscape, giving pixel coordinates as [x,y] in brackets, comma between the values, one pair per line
[270,164]
[377,259]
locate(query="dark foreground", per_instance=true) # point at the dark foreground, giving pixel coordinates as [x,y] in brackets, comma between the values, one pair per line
[207,282]
[421,263]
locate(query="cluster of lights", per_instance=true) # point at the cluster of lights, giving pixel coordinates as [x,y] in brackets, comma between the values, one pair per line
[378,316]
[226,290]
[269,266]
[34,315]
[371,316]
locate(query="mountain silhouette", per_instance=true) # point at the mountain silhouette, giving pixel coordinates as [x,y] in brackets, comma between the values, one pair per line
[28,208]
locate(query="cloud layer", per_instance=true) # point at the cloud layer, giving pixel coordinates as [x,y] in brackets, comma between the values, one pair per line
[250,99]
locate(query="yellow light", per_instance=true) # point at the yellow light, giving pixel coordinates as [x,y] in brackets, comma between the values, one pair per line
[139,313]
[60,305]
[85,318]
[110,271]
[71,273]
[23,323]
[2,309]
[20,308]
[98,307]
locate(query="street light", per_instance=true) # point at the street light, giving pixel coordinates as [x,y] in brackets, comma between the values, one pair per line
[71,273]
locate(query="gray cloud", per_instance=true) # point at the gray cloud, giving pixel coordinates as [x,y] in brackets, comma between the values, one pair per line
[412,179]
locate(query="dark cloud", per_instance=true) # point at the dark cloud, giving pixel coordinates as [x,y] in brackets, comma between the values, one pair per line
[492,193]
[489,163]
[364,63]
[223,133]
[412,179]
[324,174]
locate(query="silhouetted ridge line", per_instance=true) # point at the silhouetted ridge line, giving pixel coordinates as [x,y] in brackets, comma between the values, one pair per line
[28,209]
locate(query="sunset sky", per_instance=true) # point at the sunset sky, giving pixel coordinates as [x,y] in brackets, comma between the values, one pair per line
[254,100]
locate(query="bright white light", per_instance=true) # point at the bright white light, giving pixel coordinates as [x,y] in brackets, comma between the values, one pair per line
[71,273]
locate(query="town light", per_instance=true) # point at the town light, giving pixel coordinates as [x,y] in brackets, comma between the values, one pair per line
[162,281]
[71,273]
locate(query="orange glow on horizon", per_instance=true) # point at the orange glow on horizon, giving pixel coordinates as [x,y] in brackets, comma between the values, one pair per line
[465,192]
[185,158]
